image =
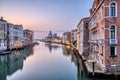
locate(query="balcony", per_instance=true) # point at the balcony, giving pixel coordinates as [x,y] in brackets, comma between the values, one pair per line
[113,41]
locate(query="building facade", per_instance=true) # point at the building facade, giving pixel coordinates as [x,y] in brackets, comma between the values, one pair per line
[3,34]
[53,38]
[28,37]
[73,36]
[17,35]
[66,38]
[49,37]
[83,36]
[104,27]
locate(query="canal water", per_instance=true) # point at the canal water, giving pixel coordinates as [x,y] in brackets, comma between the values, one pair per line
[42,62]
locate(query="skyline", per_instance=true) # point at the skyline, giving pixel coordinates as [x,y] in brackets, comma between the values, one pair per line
[45,15]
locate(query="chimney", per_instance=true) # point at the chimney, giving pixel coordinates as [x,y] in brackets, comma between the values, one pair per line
[1,18]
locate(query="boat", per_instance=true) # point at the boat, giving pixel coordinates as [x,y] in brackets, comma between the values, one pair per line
[5,52]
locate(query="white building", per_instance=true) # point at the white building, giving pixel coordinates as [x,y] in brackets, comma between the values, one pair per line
[17,34]
[3,34]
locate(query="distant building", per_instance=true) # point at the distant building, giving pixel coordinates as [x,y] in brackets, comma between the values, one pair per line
[74,36]
[28,37]
[17,35]
[49,37]
[3,34]
[52,38]
[56,39]
[83,36]
[66,38]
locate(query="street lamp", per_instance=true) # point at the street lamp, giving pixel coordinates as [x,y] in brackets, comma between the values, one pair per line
[115,66]
[93,65]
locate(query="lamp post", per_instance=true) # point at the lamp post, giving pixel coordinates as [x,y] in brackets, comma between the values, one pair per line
[93,67]
[95,43]
[115,66]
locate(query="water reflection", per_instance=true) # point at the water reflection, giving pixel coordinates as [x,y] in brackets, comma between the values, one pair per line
[70,53]
[65,64]
[9,64]
[52,46]
[81,73]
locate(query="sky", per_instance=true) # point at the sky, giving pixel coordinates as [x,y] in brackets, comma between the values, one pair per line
[45,15]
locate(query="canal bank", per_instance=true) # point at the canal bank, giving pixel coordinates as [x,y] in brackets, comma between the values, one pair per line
[8,51]
[93,70]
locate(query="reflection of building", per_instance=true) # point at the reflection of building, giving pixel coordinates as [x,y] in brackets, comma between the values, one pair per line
[70,53]
[49,37]
[52,46]
[104,32]
[66,38]
[52,38]
[15,62]
[67,51]
[28,37]
[3,67]
[83,36]
[3,34]
[9,64]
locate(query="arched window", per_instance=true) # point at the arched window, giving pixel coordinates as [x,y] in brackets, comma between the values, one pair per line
[113,38]
[112,32]
[113,9]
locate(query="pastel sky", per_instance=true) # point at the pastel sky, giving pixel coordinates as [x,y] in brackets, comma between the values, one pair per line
[45,15]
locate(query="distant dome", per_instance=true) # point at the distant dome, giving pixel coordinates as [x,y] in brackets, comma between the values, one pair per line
[50,34]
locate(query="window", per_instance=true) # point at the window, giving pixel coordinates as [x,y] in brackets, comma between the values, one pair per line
[112,32]
[102,12]
[94,35]
[112,51]
[86,26]
[113,9]
[102,32]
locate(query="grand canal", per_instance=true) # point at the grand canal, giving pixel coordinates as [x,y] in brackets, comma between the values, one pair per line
[42,62]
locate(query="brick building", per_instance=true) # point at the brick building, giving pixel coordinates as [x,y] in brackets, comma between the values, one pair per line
[104,26]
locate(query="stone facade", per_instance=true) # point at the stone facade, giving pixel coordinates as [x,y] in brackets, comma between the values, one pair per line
[28,37]
[66,38]
[104,32]
[3,34]
[73,35]
[83,36]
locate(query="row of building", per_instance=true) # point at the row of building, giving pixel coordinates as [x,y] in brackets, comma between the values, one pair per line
[53,38]
[98,35]
[13,36]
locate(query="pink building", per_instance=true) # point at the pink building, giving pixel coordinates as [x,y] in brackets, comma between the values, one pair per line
[104,26]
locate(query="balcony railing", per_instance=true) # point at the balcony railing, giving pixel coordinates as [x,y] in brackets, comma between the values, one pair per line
[99,42]
[113,41]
